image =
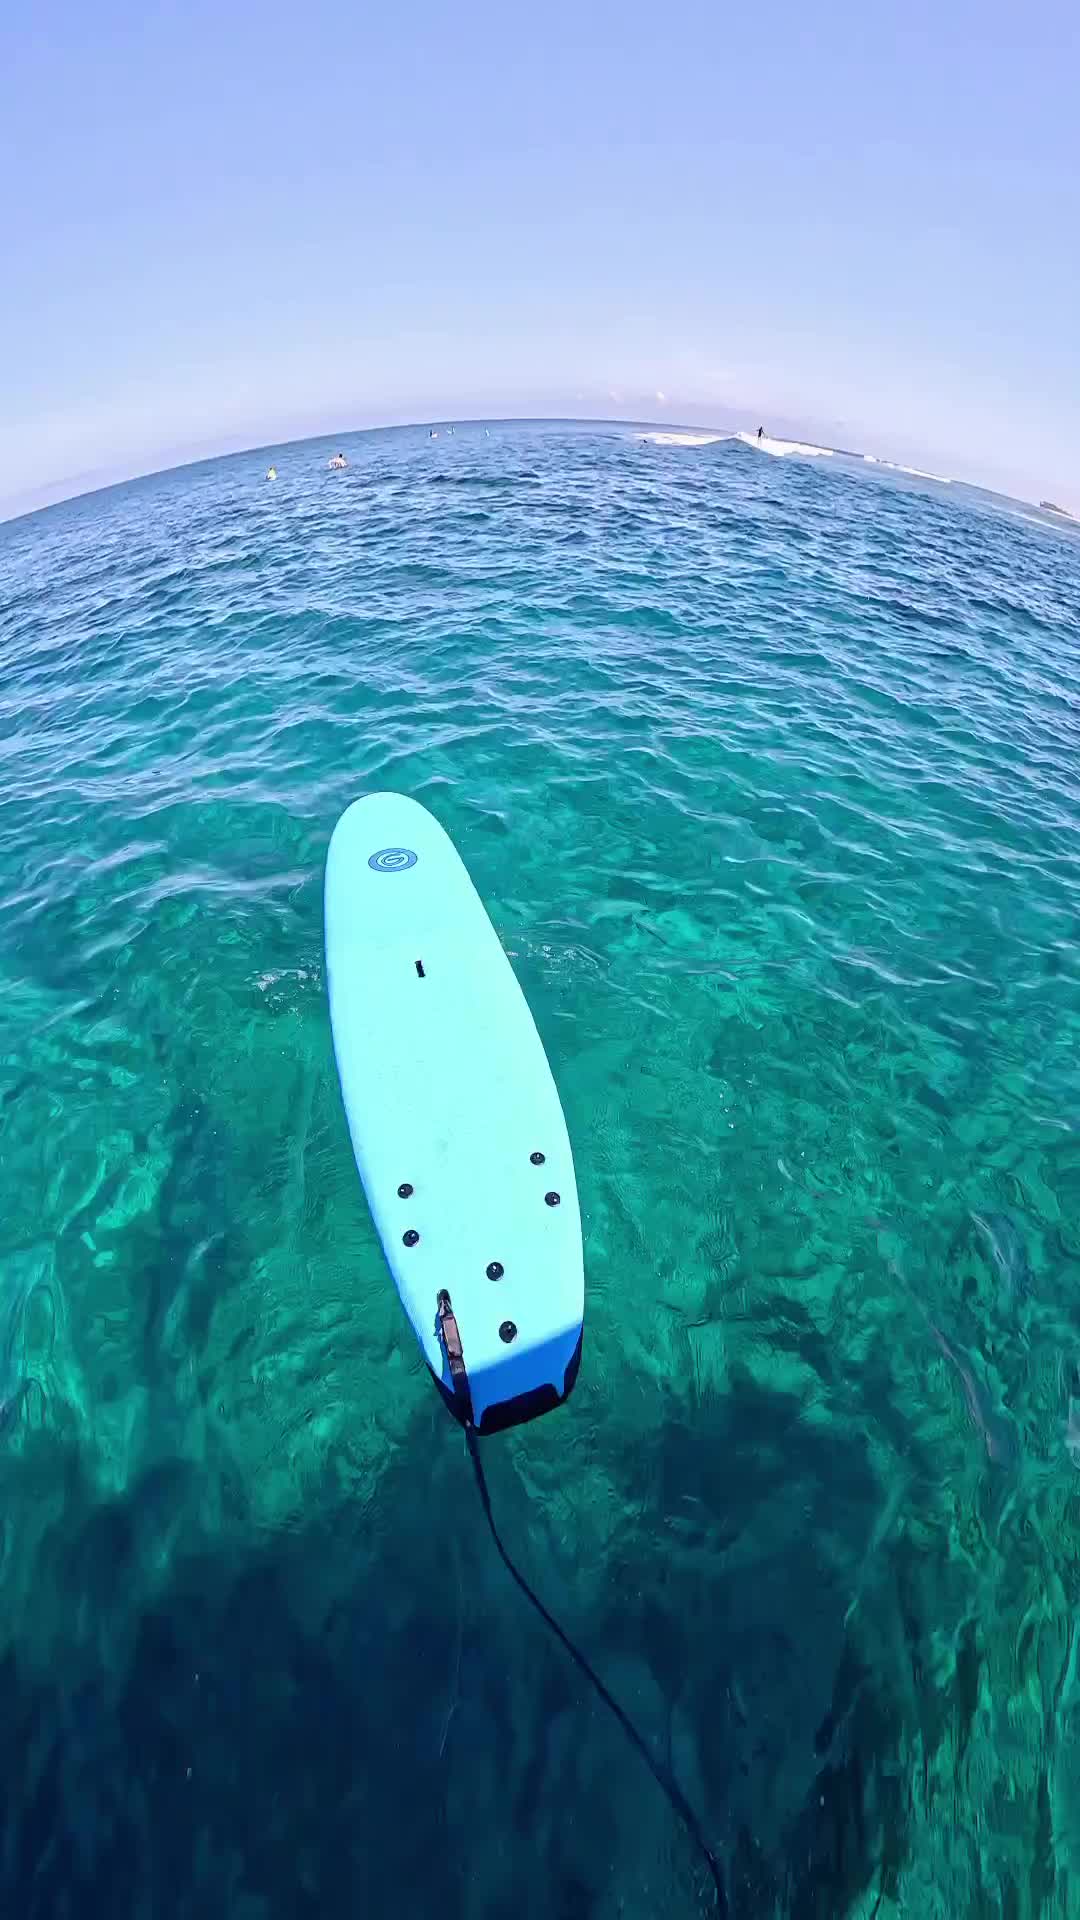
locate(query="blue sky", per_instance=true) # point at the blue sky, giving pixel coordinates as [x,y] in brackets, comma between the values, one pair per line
[227,225]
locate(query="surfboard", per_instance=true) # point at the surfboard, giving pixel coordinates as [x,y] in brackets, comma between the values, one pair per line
[456,1124]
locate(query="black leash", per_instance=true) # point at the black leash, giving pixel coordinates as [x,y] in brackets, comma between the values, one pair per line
[664,1778]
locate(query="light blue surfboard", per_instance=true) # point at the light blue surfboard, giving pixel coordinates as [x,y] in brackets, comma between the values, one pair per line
[456,1125]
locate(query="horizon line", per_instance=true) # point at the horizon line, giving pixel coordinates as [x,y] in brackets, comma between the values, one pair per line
[91,474]
[97,486]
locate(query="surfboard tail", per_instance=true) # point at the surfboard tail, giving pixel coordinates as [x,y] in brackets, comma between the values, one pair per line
[499,1416]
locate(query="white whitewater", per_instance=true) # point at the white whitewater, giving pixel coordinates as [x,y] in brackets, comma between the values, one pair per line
[766,444]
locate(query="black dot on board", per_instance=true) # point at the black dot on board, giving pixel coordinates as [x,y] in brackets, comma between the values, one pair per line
[411,1237]
[553,1199]
[404,1190]
[508,1331]
[495,1270]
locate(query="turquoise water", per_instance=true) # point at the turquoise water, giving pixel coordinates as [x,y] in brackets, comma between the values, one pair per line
[769,772]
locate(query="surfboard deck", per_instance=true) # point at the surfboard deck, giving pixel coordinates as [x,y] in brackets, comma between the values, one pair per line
[456,1124]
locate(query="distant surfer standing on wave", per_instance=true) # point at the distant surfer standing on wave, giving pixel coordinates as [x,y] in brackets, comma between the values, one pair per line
[761,433]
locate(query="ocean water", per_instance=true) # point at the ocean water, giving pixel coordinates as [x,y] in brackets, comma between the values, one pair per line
[769,772]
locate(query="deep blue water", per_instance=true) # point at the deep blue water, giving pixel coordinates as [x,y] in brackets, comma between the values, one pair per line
[769,772]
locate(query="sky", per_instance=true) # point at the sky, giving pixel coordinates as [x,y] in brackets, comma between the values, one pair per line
[234,225]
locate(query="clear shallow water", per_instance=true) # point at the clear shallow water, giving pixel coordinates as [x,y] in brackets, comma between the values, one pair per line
[771,779]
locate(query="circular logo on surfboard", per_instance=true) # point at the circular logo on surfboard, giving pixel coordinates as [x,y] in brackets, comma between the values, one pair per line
[392,860]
